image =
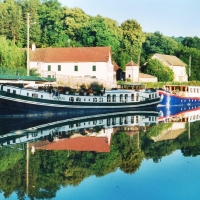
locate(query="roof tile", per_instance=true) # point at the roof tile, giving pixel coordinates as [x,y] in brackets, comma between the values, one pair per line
[71,54]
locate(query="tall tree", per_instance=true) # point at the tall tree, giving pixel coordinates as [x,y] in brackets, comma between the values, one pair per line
[11,19]
[158,43]
[192,42]
[101,32]
[12,58]
[133,38]
[51,17]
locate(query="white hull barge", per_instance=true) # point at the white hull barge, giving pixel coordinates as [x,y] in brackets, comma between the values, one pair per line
[23,101]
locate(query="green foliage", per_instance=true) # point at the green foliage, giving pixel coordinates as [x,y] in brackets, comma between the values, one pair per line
[51,18]
[11,58]
[192,42]
[156,130]
[33,72]
[184,53]
[158,43]
[100,32]
[155,68]
[133,37]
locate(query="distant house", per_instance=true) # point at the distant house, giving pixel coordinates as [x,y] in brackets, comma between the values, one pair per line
[132,71]
[77,61]
[174,63]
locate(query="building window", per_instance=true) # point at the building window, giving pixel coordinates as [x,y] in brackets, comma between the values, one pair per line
[94,68]
[76,68]
[59,67]
[49,67]
[49,76]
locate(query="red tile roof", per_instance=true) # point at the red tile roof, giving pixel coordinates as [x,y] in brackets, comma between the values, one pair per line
[131,63]
[116,67]
[71,54]
[97,144]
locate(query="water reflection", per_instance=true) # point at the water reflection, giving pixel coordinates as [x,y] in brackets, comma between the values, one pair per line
[69,150]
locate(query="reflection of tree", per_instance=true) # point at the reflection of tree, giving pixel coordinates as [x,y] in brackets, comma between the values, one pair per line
[48,170]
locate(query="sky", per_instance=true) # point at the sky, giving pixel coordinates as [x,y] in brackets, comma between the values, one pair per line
[169,17]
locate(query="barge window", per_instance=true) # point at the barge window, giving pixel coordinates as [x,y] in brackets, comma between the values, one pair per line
[41,96]
[71,99]
[27,94]
[14,91]
[78,99]
[121,97]
[132,97]
[137,119]
[100,99]
[126,97]
[35,95]
[132,119]
[108,122]
[101,121]
[114,121]
[137,97]
[126,120]
[94,99]
[149,96]
[114,98]
[108,98]
[121,120]
[8,90]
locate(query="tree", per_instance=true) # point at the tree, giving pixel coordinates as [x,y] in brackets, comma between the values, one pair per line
[192,42]
[51,18]
[158,43]
[11,20]
[133,38]
[12,59]
[101,32]
[155,68]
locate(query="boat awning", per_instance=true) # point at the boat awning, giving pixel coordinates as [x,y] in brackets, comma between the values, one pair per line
[8,78]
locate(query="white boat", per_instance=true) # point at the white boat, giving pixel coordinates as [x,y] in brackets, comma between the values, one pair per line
[31,101]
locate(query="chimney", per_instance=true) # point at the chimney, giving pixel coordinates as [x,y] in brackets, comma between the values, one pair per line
[33,47]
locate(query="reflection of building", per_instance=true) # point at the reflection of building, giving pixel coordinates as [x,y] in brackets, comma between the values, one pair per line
[71,134]
[173,132]
[178,116]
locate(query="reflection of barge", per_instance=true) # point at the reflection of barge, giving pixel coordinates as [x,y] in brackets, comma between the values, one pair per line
[95,126]
[180,113]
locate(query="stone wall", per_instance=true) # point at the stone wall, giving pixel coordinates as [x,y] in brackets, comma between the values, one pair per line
[76,82]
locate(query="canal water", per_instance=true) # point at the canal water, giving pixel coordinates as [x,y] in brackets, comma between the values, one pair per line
[145,155]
